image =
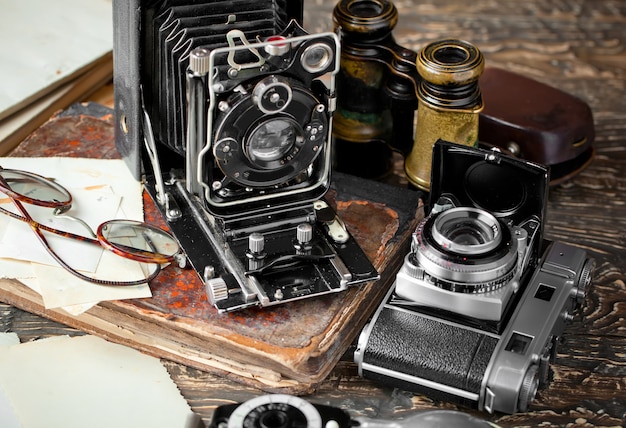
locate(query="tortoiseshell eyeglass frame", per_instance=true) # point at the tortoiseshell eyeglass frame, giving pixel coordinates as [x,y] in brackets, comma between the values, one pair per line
[62,202]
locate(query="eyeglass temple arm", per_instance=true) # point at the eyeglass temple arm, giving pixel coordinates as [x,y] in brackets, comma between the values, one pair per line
[37,228]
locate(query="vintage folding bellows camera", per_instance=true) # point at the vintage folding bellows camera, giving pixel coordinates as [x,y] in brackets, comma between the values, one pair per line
[481,300]
[226,108]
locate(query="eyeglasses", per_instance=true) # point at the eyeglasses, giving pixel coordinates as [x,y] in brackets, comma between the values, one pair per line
[130,239]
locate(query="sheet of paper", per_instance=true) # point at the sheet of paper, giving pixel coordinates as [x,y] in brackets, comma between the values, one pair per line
[16,269]
[17,240]
[87,381]
[7,413]
[46,43]
[59,289]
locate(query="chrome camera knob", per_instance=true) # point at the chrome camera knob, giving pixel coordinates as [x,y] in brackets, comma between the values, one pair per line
[411,268]
[529,387]
[584,281]
[256,244]
[217,290]
[304,233]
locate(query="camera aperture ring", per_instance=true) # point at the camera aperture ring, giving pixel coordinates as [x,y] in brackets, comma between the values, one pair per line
[487,269]
[472,288]
[259,150]
[415,270]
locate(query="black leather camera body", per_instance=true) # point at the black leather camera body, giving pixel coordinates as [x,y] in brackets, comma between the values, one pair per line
[225,107]
[481,300]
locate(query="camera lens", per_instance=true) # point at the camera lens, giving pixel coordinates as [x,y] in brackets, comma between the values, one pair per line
[275,419]
[276,411]
[270,141]
[316,57]
[466,246]
[467,231]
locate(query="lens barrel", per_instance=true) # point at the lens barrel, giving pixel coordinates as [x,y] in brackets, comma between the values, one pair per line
[449,102]
[362,126]
[466,250]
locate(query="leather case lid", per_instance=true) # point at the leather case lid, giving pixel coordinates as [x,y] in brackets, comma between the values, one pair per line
[503,185]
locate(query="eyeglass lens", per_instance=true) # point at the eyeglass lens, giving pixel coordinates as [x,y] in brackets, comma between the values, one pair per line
[35,188]
[138,240]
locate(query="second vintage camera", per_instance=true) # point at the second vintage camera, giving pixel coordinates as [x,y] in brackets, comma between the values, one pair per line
[288,411]
[228,108]
[481,300]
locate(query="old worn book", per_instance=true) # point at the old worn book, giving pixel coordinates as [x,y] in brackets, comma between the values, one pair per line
[289,348]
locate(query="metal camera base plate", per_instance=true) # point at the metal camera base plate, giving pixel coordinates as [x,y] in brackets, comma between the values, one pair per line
[223,263]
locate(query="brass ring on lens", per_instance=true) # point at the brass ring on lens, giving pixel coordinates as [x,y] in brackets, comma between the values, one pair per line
[450,62]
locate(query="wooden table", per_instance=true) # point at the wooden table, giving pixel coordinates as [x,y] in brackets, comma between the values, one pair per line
[579,47]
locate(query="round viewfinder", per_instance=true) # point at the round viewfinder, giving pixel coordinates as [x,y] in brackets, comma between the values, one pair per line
[317,57]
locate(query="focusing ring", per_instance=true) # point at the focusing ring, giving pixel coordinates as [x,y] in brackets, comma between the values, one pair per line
[472,288]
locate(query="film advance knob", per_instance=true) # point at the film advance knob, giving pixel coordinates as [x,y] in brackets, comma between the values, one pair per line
[199,61]
[528,389]
[584,281]
[256,244]
[304,233]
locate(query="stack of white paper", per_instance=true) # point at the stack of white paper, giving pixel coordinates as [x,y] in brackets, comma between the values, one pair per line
[52,54]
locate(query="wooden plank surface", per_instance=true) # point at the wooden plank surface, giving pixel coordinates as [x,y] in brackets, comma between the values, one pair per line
[579,47]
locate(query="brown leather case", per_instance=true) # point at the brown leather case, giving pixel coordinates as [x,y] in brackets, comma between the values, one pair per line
[536,122]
